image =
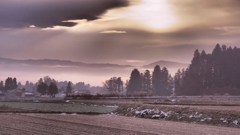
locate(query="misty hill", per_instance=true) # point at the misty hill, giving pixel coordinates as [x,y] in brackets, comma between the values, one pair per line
[59,63]
[168,64]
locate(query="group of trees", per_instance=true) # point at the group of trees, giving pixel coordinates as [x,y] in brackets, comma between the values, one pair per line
[47,87]
[114,84]
[214,73]
[159,83]
[10,84]
[69,88]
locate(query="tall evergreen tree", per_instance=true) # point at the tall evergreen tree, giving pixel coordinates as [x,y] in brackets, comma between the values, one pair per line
[14,83]
[215,73]
[52,89]
[10,83]
[69,88]
[1,86]
[165,80]
[156,80]
[147,81]
[119,84]
[42,87]
[135,83]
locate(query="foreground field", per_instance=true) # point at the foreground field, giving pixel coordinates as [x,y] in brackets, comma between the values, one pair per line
[61,107]
[217,111]
[52,124]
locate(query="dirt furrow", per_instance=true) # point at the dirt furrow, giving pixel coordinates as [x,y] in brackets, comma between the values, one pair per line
[55,124]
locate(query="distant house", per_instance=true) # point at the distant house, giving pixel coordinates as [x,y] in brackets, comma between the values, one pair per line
[16,93]
[81,92]
[28,94]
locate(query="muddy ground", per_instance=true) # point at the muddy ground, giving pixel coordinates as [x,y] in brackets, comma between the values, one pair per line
[219,112]
[59,124]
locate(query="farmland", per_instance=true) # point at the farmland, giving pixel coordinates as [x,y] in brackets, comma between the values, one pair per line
[52,124]
[158,115]
[28,107]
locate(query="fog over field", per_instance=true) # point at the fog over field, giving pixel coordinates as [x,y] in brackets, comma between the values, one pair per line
[93,73]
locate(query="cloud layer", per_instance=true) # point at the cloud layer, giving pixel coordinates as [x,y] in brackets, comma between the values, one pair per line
[45,13]
[207,13]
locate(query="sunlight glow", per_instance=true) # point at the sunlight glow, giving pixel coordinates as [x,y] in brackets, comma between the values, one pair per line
[150,15]
[156,14]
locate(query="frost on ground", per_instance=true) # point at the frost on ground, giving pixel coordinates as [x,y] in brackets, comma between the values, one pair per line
[185,116]
[236,122]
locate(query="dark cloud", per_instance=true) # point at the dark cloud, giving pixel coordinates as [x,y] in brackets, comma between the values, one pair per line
[49,13]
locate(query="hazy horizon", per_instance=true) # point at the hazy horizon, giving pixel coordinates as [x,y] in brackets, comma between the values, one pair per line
[63,70]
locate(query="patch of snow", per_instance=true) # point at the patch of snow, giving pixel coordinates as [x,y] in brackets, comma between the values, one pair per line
[206,119]
[150,112]
[132,110]
[173,100]
[155,116]
[166,114]
[146,111]
[209,118]
[67,101]
[202,120]
[236,122]
[137,112]
[63,114]
[111,106]
[143,112]
[196,115]
[225,121]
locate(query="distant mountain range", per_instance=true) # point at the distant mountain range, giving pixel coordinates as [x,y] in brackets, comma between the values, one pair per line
[68,63]
[168,64]
[60,63]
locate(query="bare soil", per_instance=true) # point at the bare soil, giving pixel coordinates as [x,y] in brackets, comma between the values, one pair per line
[217,111]
[53,124]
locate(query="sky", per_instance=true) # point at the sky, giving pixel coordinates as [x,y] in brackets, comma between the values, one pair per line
[134,32]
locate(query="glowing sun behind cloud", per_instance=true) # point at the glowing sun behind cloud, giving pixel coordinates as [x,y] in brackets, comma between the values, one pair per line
[151,15]
[156,14]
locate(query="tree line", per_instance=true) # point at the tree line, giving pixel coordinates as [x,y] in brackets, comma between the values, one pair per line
[114,84]
[45,86]
[10,84]
[48,86]
[159,83]
[215,73]
[212,73]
